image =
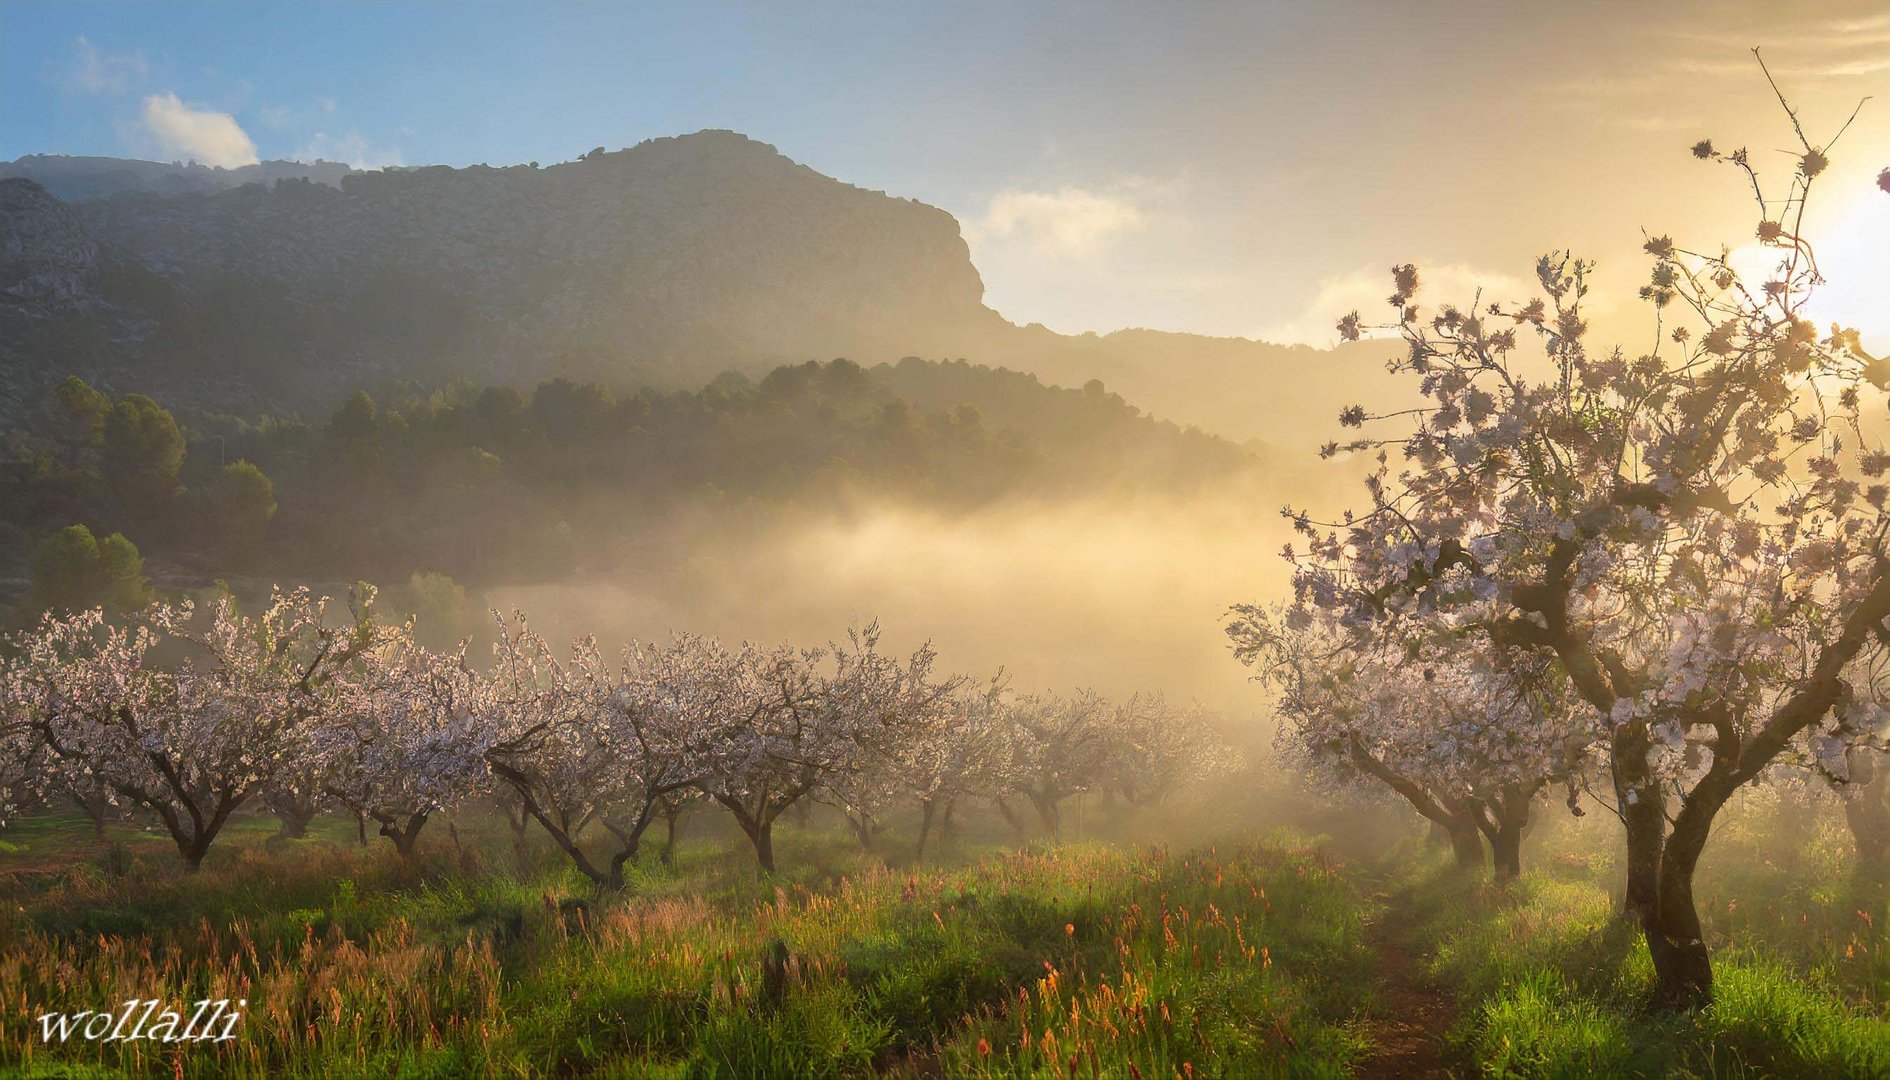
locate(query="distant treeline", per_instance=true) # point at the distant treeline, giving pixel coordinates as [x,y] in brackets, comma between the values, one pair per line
[491,483]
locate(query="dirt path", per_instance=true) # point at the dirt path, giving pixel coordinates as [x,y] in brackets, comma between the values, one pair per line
[1407,1037]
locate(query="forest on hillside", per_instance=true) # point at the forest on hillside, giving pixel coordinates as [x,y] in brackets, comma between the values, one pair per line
[491,484]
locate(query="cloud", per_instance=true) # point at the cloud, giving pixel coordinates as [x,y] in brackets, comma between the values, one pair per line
[350,149]
[95,72]
[1365,290]
[1069,221]
[213,138]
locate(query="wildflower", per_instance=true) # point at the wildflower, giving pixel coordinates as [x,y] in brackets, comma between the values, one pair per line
[1069,929]
[984,1048]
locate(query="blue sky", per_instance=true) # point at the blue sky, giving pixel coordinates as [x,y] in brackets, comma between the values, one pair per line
[1228,169]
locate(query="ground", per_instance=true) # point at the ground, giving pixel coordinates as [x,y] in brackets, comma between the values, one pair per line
[1286,951]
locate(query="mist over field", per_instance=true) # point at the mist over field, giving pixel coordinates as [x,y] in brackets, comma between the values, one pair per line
[975,540]
[1116,594]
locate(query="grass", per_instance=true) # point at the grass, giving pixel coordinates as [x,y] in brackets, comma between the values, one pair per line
[1240,962]
[1253,959]
[1556,985]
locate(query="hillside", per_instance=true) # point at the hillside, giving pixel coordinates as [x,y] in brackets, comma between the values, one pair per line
[280,287]
[496,485]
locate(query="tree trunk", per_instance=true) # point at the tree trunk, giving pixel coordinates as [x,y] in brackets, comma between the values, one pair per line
[1010,818]
[629,841]
[862,826]
[1646,824]
[1643,807]
[193,838]
[1049,812]
[762,836]
[1504,820]
[671,812]
[519,824]
[1506,851]
[757,825]
[1466,843]
[405,837]
[360,828]
[928,808]
[1683,971]
[295,821]
[97,811]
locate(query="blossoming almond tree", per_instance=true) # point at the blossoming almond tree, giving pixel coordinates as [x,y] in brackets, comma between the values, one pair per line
[790,721]
[1160,745]
[1467,743]
[193,742]
[1060,746]
[406,738]
[964,755]
[1695,533]
[553,742]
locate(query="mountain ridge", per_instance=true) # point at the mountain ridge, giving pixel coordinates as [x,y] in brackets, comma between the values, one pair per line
[663,263]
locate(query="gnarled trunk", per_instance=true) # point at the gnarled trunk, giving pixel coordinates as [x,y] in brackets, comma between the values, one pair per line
[864,828]
[1506,853]
[295,816]
[404,835]
[757,825]
[761,835]
[97,809]
[1643,807]
[672,814]
[1049,811]
[1683,970]
[928,809]
[1466,843]
[1504,819]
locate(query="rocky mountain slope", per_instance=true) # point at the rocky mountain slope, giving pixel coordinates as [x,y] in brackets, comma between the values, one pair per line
[660,264]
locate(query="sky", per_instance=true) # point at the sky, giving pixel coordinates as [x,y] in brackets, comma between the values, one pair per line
[1245,170]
